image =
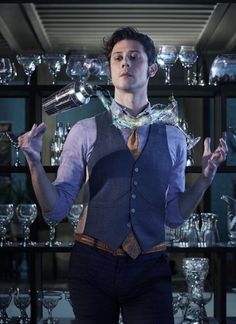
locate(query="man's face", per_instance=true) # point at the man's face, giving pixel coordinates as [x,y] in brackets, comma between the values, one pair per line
[129,65]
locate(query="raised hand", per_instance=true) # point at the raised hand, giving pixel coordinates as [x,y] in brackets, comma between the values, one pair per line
[31,142]
[211,160]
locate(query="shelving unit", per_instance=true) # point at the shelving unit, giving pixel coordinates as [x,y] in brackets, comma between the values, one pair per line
[218,254]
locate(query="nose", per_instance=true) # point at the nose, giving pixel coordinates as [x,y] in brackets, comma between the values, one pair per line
[125,61]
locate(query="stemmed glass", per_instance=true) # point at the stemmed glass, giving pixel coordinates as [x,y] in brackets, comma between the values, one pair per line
[22,300]
[75,68]
[187,56]
[13,140]
[5,300]
[54,62]
[29,63]
[5,70]
[50,299]
[11,75]
[26,215]
[74,214]
[6,215]
[166,58]
[52,223]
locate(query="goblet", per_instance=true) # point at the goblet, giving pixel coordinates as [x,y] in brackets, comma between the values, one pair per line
[75,68]
[6,215]
[52,231]
[231,217]
[187,56]
[5,300]
[74,214]
[22,301]
[13,74]
[166,58]
[26,215]
[5,70]
[29,63]
[195,271]
[50,299]
[13,139]
[54,62]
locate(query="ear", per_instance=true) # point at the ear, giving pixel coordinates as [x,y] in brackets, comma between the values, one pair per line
[152,70]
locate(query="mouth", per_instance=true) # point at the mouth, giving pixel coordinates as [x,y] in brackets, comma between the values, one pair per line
[125,75]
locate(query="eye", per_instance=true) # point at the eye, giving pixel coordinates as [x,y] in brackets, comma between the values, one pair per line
[117,57]
[133,56]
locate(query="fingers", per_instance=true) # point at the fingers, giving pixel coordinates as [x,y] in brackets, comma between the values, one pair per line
[38,130]
[207,148]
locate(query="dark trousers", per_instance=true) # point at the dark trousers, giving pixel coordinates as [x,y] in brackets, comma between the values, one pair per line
[101,285]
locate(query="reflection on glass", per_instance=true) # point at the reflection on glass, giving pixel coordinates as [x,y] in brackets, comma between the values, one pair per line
[75,68]
[54,62]
[50,299]
[52,231]
[74,214]
[6,215]
[5,300]
[26,215]
[188,56]
[5,70]
[166,58]
[22,301]
[29,64]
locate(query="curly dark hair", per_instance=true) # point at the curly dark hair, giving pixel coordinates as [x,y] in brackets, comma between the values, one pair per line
[130,33]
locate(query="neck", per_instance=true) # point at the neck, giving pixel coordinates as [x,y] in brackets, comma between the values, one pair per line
[133,102]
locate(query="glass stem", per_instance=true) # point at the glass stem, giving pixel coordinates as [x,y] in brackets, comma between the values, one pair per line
[167,75]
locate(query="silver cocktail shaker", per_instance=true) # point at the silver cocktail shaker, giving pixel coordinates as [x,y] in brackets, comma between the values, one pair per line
[73,95]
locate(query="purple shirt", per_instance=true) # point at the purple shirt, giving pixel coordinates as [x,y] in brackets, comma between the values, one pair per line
[72,172]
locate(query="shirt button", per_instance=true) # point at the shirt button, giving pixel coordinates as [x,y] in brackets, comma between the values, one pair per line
[136,169]
[135,182]
[133,196]
[132,210]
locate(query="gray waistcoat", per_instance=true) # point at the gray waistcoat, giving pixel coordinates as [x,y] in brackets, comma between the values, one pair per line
[125,192]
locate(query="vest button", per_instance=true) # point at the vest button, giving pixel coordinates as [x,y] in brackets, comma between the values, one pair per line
[136,169]
[129,225]
[133,210]
[133,196]
[135,182]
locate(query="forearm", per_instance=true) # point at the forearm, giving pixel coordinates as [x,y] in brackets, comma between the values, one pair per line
[44,190]
[190,198]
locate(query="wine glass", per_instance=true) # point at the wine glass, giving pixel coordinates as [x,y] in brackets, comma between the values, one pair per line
[29,63]
[26,215]
[104,73]
[54,62]
[50,299]
[74,214]
[6,215]
[13,139]
[5,70]
[166,58]
[52,223]
[5,300]
[75,68]
[187,56]
[22,300]
[11,75]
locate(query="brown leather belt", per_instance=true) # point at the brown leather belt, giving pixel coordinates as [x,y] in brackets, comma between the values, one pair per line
[88,240]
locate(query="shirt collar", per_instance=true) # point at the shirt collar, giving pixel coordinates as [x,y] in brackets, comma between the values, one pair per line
[117,108]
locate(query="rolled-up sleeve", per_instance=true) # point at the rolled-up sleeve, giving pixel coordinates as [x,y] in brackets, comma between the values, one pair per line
[178,152]
[71,172]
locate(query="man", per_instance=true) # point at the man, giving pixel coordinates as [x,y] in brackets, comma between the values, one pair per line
[135,182]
